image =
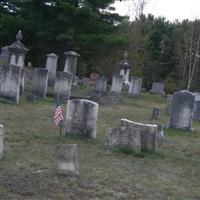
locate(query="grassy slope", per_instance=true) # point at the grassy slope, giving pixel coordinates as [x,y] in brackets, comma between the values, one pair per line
[28,168]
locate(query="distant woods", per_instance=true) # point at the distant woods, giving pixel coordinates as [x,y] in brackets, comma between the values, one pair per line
[159,50]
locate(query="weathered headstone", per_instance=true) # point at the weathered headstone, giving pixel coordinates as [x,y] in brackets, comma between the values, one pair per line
[81,118]
[182,110]
[169,104]
[124,137]
[158,88]
[196,115]
[40,82]
[155,113]
[63,86]
[66,155]
[71,62]
[1,141]
[51,65]
[101,85]
[117,83]
[10,78]
[135,87]
[148,134]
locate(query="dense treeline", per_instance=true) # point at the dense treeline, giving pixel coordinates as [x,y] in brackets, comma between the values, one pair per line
[158,49]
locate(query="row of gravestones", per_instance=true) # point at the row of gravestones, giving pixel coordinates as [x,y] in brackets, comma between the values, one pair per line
[183,107]
[81,119]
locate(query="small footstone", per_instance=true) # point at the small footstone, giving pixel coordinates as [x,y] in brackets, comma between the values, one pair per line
[66,155]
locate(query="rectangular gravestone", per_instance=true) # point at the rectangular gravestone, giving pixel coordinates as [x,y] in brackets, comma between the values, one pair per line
[101,84]
[135,87]
[117,83]
[40,82]
[66,155]
[10,79]
[148,133]
[158,88]
[182,110]
[81,118]
[63,86]
[1,141]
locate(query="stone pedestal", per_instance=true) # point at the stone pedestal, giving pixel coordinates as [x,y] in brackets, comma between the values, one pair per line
[135,87]
[148,134]
[124,137]
[1,141]
[71,62]
[117,83]
[51,65]
[81,118]
[158,88]
[10,79]
[66,155]
[182,110]
[40,82]
[63,86]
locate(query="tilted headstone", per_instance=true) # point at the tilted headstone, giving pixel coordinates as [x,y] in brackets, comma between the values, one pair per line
[117,83]
[81,118]
[63,86]
[71,62]
[10,78]
[124,137]
[158,88]
[66,156]
[1,141]
[182,110]
[51,65]
[40,82]
[169,104]
[148,134]
[101,84]
[135,86]
[155,113]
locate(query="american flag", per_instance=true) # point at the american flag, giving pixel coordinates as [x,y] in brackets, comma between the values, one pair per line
[58,114]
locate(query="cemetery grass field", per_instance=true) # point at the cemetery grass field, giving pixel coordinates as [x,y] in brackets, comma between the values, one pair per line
[27,171]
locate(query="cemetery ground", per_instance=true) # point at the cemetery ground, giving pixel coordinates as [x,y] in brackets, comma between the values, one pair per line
[28,169]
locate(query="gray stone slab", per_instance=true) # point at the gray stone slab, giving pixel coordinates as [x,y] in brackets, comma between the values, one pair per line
[148,134]
[40,82]
[63,86]
[117,83]
[10,80]
[81,118]
[101,84]
[1,141]
[66,156]
[182,110]
[135,87]
[158,88]
[124,137]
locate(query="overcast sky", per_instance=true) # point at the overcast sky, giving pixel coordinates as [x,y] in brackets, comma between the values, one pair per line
[171,9]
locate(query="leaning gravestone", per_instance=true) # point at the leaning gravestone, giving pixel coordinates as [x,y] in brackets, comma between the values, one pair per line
[1,141]
[40,82]
[63,86]
[148,134]
[124,137]
[169,104]
[117,83]
[51,65]
[81,118]
[158,88]
[182,110]
[135,87]
[66,155]
[10,78]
